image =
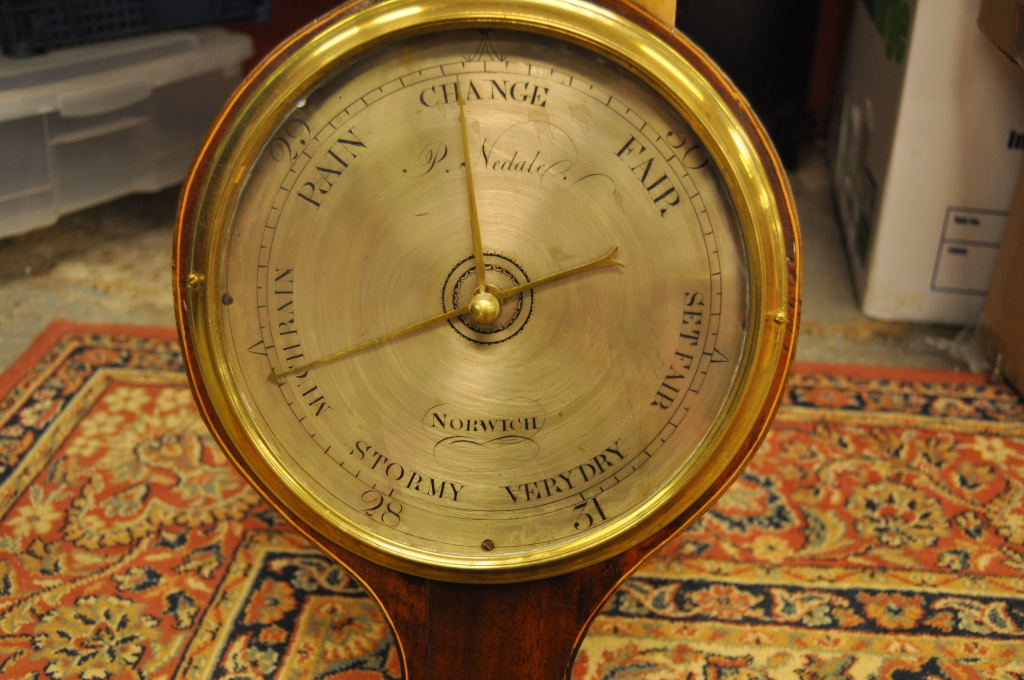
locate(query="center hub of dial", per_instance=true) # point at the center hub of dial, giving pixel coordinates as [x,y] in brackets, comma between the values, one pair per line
[484,307]
[482,325]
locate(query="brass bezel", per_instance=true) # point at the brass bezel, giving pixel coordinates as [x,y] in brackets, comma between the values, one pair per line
[663,59]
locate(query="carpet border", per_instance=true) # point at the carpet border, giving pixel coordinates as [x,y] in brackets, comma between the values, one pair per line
[48,337]
[890,372]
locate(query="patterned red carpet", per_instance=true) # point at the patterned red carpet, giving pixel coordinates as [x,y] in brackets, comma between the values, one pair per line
[879,533]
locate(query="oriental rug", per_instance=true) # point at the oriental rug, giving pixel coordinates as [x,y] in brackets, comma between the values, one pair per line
[878,533]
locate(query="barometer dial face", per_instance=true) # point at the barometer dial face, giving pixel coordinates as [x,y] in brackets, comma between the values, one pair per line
[480,300]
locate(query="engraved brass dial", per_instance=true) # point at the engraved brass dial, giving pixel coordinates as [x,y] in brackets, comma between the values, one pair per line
[486,291]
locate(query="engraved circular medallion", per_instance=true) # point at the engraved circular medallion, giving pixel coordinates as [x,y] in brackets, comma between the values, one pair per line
[503,272]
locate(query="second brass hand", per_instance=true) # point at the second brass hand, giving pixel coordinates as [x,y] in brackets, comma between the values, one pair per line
[277,377]
[603,261]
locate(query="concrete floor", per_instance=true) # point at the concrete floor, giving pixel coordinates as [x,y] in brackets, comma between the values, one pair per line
[112,264]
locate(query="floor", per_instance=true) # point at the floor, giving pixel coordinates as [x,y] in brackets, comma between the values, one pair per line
[112,264]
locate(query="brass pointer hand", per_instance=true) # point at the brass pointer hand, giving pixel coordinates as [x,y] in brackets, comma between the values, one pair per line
[479,299]
[474,217]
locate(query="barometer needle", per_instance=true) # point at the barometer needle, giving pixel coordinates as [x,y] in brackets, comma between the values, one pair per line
[474,217]
[604,261]
[608,259]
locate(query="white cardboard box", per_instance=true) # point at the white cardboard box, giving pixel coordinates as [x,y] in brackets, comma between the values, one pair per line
[925,158]
[84,125]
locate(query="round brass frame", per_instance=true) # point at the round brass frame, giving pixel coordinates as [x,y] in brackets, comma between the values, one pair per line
[620,32]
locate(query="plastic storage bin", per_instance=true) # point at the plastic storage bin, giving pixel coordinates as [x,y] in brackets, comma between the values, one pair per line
[85,125]
[30,27]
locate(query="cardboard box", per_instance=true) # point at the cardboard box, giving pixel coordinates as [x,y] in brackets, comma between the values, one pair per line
[1001,329]
[1002,21]
[925,158]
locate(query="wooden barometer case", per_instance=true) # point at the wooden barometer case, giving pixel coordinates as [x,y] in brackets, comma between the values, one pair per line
[489,299]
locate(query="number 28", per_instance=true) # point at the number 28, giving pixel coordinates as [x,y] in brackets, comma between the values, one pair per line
[388,515]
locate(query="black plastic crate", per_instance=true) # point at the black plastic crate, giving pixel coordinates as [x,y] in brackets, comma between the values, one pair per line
[30,27]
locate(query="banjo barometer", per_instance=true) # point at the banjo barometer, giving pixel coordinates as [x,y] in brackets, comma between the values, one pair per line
[489,299]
